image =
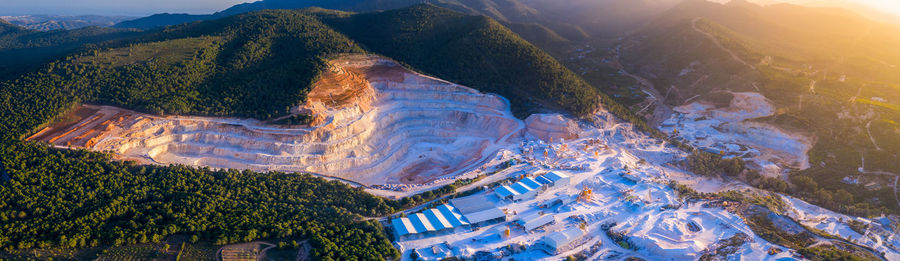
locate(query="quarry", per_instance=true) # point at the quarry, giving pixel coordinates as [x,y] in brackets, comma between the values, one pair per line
[731,131]
[551,186]
[373,122]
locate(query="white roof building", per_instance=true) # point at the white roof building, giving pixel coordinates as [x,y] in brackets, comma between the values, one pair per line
[560,240]
[535,220]
[477,208]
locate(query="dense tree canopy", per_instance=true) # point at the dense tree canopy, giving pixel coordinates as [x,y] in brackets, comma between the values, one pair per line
[252,65]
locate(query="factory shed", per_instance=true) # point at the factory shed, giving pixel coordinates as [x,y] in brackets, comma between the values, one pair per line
[535,220]
[505,192]
[560,240]
[531,182]
[437,219]
[403,227]
[477,208]
[557,179]
[543,180]
[452,215]
[524,191]
[421,223]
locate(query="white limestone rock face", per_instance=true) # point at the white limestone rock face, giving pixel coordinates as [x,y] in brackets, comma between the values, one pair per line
[374,122]
[551,127]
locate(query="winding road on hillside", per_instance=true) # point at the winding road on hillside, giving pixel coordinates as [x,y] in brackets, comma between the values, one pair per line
[661,111]
[896,177]
[719,44]
[870,135]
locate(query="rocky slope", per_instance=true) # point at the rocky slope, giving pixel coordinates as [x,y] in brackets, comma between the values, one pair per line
[374,122]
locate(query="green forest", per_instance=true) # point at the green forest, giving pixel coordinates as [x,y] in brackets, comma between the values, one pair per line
[251,65]
[839,93]
[78,199]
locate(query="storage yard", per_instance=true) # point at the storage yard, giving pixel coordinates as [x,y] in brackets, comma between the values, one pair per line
[611,199]
[592,188]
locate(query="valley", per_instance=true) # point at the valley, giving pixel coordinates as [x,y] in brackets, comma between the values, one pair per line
[475,130]
[626,194]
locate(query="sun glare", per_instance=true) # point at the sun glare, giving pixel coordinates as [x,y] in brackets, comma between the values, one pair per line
[890,6]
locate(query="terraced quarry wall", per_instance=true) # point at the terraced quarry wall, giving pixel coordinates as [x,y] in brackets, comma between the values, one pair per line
[374,122]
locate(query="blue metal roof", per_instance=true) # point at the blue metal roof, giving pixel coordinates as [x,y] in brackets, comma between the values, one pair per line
[403,227]
[437,219]
[543,180]
[505,191]
[452,215]
[520,188]
[420,222]
[553,176]
[530,182]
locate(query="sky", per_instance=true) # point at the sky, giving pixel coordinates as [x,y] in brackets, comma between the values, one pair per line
[892,6]
[148,7]
[113,7]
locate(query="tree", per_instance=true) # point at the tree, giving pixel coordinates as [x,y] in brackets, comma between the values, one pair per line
[773,184]
[733,166]
[824,196]
[843,197]
[804,183]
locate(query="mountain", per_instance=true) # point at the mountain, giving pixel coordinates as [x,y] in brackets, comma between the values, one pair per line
[255,64]
[23,50]
[863,9]
[828,74]
[551,25]
[56,22]
[259,64]
[505,11]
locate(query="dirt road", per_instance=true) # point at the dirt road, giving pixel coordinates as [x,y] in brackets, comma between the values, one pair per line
[719,44]
[661,111]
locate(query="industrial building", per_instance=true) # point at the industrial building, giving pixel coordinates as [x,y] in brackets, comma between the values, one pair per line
[555,180]
[535,220]
[477,209]
[461,212]
[528,188]
[560,241]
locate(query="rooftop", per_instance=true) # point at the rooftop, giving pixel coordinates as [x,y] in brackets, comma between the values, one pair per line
[472,204]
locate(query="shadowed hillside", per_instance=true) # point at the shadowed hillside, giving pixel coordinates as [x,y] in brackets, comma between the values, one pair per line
[828,73]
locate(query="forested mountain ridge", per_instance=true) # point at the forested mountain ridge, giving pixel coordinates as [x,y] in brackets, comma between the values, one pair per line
[827,79]
[56,22]
[420,36]
[253,65]
[23,50]
[552,25]
[259,64]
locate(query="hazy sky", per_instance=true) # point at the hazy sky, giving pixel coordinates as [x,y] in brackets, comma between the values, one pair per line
[889,6]
[147,7]
[885,6]
[113,7]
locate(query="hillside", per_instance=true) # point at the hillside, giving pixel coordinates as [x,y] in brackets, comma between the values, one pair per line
[551,25]
[420,36]
[56,22]
[825,82]
[259,65]
[23,50]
